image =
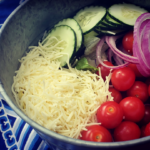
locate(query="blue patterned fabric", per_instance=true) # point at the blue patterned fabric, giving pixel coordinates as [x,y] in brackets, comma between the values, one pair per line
[15,134]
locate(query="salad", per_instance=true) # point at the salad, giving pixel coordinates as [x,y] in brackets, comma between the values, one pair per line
[110,46]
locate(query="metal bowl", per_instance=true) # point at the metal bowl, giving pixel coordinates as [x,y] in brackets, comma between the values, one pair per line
[24,27]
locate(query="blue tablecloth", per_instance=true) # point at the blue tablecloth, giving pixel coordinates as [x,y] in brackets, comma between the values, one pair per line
[15,134]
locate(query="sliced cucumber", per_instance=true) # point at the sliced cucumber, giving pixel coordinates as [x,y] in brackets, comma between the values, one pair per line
[113,22]
[125,13]
[89,17]
[77,29]
[102,26]
[107,24]
[65,45]
[113,32]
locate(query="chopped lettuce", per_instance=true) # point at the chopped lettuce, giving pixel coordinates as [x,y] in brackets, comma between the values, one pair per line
[83,64]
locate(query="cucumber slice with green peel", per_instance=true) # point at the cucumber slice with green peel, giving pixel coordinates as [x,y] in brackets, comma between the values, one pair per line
[102,26]
[107,24]
[113,22]
[89,17]
[113,32]
[103,22]
[109,31]
[125,13]
[61,40]
[105,27]
[77,29]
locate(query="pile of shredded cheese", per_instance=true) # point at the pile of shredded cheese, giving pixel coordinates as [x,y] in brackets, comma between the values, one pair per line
[62,100]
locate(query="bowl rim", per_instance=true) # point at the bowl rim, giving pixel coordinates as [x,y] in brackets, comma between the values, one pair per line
[48,132]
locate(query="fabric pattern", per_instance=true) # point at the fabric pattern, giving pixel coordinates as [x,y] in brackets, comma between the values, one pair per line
[15,134]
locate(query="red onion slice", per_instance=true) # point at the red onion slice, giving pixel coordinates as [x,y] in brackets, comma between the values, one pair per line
[145,43]
[142,70]
[139,28]
[109,55]
[99,49]
[118,60]
[120,47]
[111,41]
[141,47]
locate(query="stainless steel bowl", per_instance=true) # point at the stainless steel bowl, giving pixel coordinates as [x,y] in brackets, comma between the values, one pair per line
[24,27]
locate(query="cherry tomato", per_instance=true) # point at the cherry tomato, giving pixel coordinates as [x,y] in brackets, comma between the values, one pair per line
[104,71]
[143,131]
[127,42]
[147,129]
[109,114]
[122,79]
[96,133]
[149,90]
[135,70]
[115,94]
[127,130]
[146,119]
[133,109]
[140,90]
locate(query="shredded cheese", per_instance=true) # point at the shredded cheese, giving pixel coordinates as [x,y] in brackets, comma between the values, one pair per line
[61,100]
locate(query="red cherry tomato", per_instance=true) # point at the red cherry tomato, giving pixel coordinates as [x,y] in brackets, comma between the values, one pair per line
[133,109]
[96,133]
[110,114]
[149,90]
[115,94]
[123,78]
[104,71]
[135,70]
[127,42]
[147,129]
[140,90]
[146,119]
[127,130]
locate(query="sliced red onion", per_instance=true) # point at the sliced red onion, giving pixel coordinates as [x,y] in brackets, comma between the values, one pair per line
[145,43]
[109,55]
[139,51]
[141,69]
[120,47]
[101,48]
[141,47]
[118,60]
[139,28]
[111,41]
[143,56]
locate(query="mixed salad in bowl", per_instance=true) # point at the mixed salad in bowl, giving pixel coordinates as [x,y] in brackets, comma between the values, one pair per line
[109,46]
